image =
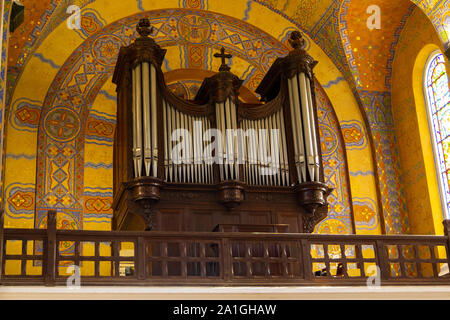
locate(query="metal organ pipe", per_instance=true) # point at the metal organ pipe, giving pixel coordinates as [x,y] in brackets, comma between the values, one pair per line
[220,118]
[144,110]
[134,115]
[147,118]
[260,168]
[189,166]
[209,166]
[235,142]
[184,144]
[284,156]
[137,123]
[313,130]
[166,146]
[197,172]
[173,127]
[263,143]
[154,120]
[307,124]
[253,139]
[304,128]
[274,160]
[229,166]
[298,129]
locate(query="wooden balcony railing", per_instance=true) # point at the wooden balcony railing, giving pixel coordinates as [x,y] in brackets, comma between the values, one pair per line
[37,257]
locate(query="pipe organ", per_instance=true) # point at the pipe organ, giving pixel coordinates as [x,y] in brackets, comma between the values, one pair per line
[216,159]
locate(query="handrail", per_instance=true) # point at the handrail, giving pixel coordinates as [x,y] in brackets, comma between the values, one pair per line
[184,258]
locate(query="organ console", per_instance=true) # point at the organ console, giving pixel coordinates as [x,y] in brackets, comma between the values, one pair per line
[191,165]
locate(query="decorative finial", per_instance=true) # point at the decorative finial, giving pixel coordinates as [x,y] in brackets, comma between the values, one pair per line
[296,40]
[223,56]
[144,28]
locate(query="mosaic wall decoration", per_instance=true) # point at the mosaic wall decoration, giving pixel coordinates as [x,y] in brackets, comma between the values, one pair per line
[340,218]
[24,115]
[20,200]
[370,50]
[370,56]
[439,14]
[354,135]
[5,8]
[378,109]
[91,23]
[365,214]
[43,16]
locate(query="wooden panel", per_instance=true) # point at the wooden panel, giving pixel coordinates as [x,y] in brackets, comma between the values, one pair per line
[228,218]
[292,219]
[257,217]
[170,220]
[200,221]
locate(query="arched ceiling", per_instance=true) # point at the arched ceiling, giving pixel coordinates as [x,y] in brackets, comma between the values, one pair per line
[337,26]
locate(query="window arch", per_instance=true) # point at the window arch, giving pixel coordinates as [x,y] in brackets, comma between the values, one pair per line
[437,95]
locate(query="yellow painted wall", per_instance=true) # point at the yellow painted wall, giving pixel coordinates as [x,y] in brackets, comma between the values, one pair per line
[417,41]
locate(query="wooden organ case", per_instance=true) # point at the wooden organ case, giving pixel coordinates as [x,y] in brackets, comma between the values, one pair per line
[192,165]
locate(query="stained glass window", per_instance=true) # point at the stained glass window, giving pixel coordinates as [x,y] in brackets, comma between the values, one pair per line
[438,96]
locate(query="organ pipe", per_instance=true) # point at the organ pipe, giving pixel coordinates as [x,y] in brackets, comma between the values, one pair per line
[297,129]
[144,110]
[304,127]
[147,117]
[307,124]
[137,123]
[154,121]
[314,132]
[265,150]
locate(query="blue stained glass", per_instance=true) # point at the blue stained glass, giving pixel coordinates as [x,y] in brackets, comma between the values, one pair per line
[438,95]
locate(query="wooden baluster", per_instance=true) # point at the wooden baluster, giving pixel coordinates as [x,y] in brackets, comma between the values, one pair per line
[344,261]
[226,261]
[140,259]
[327,259]
[2,245]
[284,259]
[418,264]
[183,254]
[50,263]
[97,257]
[434,265]
[447,234]
[306,259]
[164,254]
[401,259]
[23,262]
[360,258]
[77,245]
[248,259]
[116,258]
[382,260]
[202,258]
[267,259]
